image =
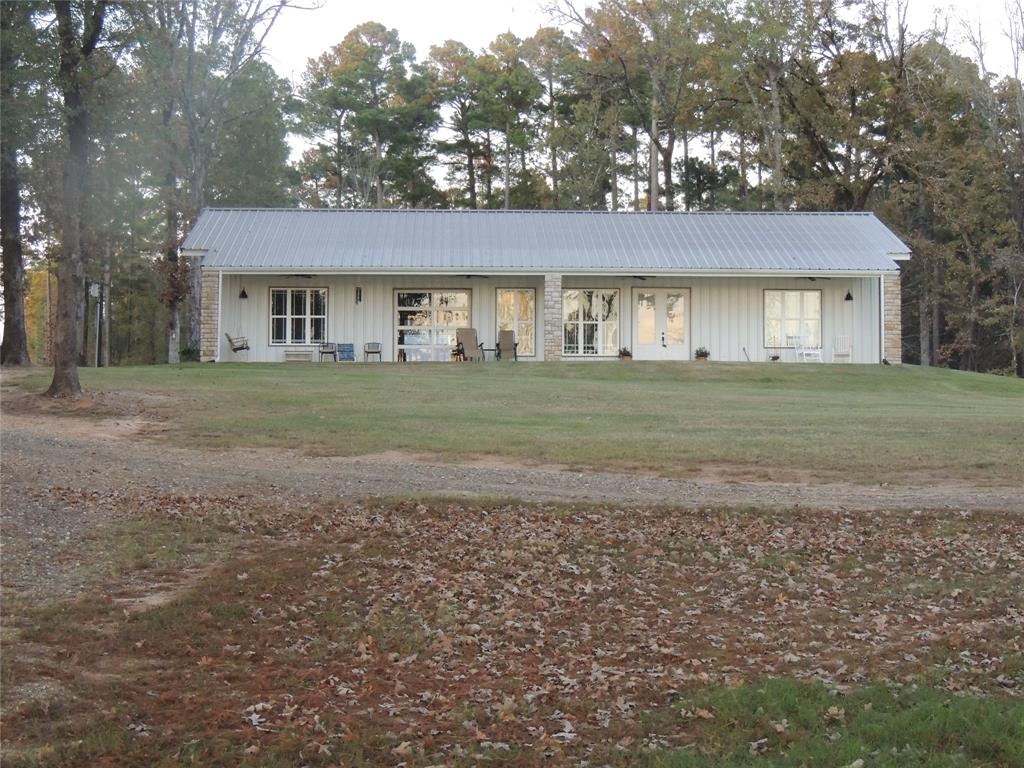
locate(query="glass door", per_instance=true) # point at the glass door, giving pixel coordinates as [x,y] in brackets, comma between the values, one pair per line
[660,324]
[426,321]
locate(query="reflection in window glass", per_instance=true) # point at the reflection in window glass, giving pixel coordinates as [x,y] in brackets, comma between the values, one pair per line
[792,316]
[515,313]
[298,315]
[590,322]
[426,321]
[645,321]
[675,313]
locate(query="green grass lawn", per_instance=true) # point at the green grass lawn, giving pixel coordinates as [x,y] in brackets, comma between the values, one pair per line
[865,423]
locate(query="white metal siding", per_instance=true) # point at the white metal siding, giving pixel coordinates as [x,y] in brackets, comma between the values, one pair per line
[371,320]
[726,314]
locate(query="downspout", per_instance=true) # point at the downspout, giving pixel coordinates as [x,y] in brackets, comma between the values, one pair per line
[220,311]
[881,317]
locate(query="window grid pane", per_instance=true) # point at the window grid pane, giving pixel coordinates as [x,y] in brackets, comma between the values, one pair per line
[298,315]
[792,315]
[590,321]
[515,310]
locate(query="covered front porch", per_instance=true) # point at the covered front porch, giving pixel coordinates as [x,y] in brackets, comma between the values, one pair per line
[570,316]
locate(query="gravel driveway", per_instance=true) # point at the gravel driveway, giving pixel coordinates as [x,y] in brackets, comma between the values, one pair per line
[42,452]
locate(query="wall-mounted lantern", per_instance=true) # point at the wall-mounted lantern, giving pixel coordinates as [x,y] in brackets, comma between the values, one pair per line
[849,296]
[359,295]
[242,294]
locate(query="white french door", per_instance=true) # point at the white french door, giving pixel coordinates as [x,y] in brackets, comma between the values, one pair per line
[661,324]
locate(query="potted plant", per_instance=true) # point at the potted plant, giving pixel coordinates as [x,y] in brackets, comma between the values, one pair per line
[702,354]
[625,355]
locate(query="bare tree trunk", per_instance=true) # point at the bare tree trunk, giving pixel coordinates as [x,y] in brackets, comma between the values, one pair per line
[83,324]
[653,180]
[668,149]
[508,165]
[105,309]
[470,170]
[70,267]
[776,147]
[488,171]
[378,157]
[338,151]
[14,350]
[686,170]
[551,142]
[714,169]
[613,161]
[636,172]
[924,332]
[744,169]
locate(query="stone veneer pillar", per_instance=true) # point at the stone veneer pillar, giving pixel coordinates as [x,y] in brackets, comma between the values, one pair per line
[209,312]
[552,316]
[892,333]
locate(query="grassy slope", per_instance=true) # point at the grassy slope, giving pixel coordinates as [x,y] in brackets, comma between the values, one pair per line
[771,422]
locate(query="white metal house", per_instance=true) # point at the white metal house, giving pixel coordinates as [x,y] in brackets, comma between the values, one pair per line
[571,285]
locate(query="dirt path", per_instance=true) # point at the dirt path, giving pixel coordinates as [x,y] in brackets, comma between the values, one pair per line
[98,455]
[43,451]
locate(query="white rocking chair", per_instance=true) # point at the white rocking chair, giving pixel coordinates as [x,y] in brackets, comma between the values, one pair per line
[804,352]
[842,349]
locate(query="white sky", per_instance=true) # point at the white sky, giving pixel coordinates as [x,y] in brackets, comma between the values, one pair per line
[300,35]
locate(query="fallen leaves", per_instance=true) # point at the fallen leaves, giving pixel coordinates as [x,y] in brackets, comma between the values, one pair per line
[451,630]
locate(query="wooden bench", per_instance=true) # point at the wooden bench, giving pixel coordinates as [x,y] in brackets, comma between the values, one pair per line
[298,356]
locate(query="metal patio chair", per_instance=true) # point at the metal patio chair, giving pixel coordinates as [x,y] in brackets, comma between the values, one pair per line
[507,343]
[371,348]
[472,350]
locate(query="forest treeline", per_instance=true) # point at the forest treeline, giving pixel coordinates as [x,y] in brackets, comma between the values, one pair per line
[120,121]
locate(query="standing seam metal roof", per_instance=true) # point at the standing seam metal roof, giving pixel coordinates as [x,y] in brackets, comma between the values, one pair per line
[479,241]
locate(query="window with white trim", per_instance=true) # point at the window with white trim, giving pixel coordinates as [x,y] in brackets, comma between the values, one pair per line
[298,315]
[791,316]
[516,308]
[590,321]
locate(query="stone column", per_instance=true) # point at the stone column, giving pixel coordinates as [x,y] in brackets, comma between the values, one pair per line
[892,333]
[209,315]
[552,316]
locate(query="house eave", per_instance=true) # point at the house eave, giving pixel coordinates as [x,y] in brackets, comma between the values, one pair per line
[621,272]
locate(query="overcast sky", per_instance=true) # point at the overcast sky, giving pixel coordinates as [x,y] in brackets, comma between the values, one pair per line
[300,35]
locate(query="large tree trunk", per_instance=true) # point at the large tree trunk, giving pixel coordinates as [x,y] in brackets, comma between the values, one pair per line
[70,267]
[14,350]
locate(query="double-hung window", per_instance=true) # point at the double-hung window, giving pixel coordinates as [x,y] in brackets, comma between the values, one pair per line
[590,321]
[792,317]
[298,315]
[516,314]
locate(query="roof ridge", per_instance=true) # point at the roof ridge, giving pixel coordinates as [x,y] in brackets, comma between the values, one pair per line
[536,211]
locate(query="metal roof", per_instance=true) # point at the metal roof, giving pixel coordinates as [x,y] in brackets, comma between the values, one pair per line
[248,239]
